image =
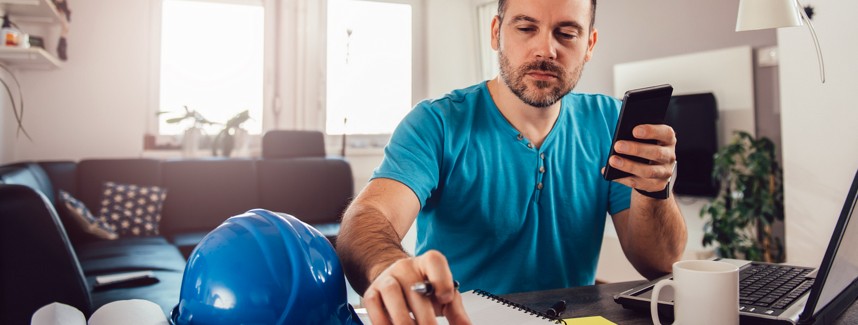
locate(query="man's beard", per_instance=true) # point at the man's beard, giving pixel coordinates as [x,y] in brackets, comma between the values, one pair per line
[514,78]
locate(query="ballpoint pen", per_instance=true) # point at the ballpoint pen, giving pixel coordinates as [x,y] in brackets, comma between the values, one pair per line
[425,288]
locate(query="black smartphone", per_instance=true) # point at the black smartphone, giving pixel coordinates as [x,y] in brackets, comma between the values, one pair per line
[640,106]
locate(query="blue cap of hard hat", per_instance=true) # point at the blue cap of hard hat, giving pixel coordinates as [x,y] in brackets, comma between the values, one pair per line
[264,268]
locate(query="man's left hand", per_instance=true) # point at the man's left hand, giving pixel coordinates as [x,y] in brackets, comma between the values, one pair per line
[652,177]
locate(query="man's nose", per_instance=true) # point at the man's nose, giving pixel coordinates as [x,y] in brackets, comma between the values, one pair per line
[545,46]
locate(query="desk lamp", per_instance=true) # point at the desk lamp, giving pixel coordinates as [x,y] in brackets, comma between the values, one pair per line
[765,14]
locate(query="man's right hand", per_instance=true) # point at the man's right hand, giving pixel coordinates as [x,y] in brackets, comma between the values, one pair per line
[389,299]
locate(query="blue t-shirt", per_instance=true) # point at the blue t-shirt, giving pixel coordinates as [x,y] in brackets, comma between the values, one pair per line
[508,216]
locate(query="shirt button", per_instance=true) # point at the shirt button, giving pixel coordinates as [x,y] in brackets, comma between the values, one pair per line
[530,145]
[541,169]
[519,137]
[539,186]
[542,155]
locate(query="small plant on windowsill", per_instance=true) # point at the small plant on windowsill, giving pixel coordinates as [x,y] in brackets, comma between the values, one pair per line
[191,136]
[198,120]
[224,142]
[739,220]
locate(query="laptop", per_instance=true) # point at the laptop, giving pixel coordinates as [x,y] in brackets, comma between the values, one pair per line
[784,294]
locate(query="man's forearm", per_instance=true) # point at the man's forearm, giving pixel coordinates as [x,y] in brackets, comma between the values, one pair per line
[367,244]
[657,235]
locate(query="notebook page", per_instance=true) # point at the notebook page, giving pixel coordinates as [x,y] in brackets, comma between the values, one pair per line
[485,310]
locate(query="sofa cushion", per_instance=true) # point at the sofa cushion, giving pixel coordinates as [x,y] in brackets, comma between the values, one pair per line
[131,209]
[186,242]
[92,173]
[204,193]
[84,219]
[165,292]
[62,175]
[314,190]
[129,254]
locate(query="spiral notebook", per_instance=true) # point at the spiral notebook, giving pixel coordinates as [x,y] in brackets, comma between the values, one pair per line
[485,308]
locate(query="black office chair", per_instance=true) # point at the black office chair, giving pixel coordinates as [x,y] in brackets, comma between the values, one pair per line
[293,144]
[39,265]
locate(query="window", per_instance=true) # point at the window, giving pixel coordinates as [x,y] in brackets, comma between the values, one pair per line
[369,66]
[211,61]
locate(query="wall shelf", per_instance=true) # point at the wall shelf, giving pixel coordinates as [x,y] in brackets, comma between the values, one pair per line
[32,11]
[28,58]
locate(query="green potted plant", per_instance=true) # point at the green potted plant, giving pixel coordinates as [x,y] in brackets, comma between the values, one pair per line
[191,136]
[739,220]
[224,142]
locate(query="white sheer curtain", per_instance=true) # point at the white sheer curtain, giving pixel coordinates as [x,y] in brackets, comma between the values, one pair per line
[486,10]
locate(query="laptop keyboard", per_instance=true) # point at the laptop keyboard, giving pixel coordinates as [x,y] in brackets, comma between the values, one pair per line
[768,289]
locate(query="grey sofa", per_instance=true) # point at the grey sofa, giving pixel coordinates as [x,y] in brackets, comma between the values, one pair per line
[47,258]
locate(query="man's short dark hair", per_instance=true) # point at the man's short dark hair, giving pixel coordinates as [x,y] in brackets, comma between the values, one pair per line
[502,10]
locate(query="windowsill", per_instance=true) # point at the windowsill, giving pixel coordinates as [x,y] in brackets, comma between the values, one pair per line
[357,145]
[361,152]
[169,147]
[198,154]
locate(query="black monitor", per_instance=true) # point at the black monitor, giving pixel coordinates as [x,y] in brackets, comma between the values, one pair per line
[694,118]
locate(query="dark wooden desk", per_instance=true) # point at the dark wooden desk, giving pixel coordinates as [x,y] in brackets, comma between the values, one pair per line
[599,300]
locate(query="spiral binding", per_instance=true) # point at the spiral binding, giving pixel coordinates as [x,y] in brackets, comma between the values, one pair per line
[518,306]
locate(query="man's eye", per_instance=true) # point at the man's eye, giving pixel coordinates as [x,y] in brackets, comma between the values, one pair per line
[526,29]
[567,36]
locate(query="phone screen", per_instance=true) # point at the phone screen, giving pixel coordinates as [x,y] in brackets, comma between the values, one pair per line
[640,106]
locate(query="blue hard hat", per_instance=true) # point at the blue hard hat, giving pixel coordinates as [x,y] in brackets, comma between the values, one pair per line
[264,268]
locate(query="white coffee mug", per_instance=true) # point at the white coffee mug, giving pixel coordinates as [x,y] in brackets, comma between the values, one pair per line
[705,292]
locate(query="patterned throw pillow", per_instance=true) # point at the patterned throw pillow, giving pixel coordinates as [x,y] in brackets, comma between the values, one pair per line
[85,219]
[133,209]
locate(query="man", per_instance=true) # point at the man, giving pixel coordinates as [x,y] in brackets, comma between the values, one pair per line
[503,179]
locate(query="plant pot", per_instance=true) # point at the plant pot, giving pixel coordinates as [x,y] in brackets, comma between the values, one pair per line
[242,141]
[191,141]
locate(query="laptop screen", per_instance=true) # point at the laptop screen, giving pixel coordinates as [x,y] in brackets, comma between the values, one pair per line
[844,262]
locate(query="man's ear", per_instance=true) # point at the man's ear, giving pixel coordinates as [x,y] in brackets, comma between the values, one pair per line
[496,22]
[591,43]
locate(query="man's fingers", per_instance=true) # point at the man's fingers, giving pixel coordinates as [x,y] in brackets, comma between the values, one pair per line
[656,153]
[455,311]
[375,308]
[390,299]
[434,265]
[645,177]
[420,306]
[664,134]
[661,172]
[394,301]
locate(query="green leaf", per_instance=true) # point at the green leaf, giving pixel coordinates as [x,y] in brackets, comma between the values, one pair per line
[750,199]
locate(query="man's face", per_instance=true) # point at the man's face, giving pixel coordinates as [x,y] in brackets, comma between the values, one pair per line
[542,47]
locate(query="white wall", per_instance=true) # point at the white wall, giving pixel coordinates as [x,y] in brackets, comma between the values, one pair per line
[633,30]
[96,104]
[819,127]
[452,45]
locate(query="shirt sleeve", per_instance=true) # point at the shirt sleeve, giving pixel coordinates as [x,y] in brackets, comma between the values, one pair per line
[620,197]
[413,155]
